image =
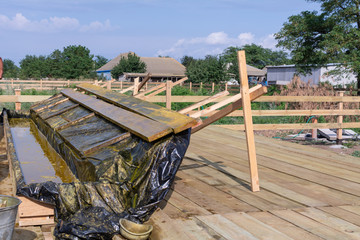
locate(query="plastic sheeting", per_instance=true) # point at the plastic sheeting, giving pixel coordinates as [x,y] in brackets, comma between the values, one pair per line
[127,179]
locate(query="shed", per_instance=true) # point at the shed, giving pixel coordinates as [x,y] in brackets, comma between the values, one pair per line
[161,68]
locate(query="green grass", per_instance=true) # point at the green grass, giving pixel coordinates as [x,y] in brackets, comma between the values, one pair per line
[356,154]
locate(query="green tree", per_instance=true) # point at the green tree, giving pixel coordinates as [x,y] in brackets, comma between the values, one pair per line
[34,67]
[256,56]
[100,61]
[56,64]
[77,62]
[209,69]
[129,64]
[10,70]
[186,60]
[331,35]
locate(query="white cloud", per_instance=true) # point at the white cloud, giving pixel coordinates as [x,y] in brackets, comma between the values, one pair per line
[214,44]
[52,24]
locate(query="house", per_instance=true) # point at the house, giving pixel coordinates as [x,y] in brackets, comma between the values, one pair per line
[161,68]
[255,75]
[282,75]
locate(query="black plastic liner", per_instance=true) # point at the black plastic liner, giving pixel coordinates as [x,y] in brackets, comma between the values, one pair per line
[128,179]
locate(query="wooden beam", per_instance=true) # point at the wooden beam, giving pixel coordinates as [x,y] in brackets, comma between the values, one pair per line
[249,131]
[203,102]
[168,94]
[142,94]
[106,143]
[222,103]
[308,99]
[227,110]
[61,111]
[141,126]
[61,127]
[340,119]
[126,89]
[147,78]
[164,88]
[136,85]
[51,105]
[259,127]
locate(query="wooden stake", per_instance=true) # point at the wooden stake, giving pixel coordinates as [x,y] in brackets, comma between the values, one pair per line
[340,119]
[190,86]
[17,104]
[136,86]
[314,130]
[168,93]
[249,132]
[212,87]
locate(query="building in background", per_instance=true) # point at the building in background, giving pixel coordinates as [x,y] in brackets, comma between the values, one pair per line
[282,75]
[161,68]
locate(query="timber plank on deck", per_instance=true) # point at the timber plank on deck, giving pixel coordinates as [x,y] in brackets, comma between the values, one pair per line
[306,193]
[178,122]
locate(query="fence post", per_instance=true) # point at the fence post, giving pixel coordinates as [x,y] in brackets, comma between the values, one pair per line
[146,86]
[225,86]
[201,86]
[41,84]
[340,120]
[190,86]
[68,83]
[108,85]
[168,93]
[121,85]
[212,87]
[12,83]
[17,104]
[314,130]
[136,86]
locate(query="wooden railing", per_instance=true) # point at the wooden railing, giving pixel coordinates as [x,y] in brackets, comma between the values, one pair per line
[338,100]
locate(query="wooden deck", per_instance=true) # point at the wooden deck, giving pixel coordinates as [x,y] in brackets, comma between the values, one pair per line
[306,193]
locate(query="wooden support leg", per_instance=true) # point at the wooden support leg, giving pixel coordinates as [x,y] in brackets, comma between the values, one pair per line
[249,131]
[340,121]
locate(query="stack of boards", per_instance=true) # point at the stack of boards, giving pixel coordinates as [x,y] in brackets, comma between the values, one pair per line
[123,114]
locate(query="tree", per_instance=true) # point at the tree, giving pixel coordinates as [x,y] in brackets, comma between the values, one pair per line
[256,56]
[129,64]
[10,70]
[100,61]
[186,60]
[34,67]
[77,62]
[332,35]
[209,69]
[56,64]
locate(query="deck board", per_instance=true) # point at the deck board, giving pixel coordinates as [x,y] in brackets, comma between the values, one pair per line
[306,193]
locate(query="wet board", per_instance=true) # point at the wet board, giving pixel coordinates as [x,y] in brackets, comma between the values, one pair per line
[178,122]
[143,127]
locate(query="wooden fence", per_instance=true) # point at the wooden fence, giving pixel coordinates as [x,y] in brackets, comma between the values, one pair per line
[168,99]
[113,85]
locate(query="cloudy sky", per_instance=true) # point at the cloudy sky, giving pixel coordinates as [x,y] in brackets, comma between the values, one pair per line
[148,27]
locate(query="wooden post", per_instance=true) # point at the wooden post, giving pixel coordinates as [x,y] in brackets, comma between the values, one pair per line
[212,87]
[340,120]
[249,131]
[121,85]
[41,84]
[12,83]
[68,83]
[146,86]
[190,86]
[108,85]
[201,85]
[314,130]
[136,85]
[96,83]
[225,86]
[17,104]
[168,93]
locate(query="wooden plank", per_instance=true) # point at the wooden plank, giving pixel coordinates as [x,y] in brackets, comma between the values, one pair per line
[330,135]
[142,94]
[308,99]
[257,228]
[331,221]
[34,221]
[227,110]
[343,214]
[66,125]
[144,81]
[284,226]
[203,102]
[164,88]
[310,225]
[31,208]
[61,111]
[353,209]
[106,143]
[195,231]
[178,122]
[222,103]
[257,127]
[225,227]
[50,105]
[249,131]
[143,127]
[168,94]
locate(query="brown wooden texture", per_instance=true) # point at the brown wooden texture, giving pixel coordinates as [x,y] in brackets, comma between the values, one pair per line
[144,81]
[178,122]
[143,127]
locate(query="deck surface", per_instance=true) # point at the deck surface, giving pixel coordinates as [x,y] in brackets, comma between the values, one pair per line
[306,192]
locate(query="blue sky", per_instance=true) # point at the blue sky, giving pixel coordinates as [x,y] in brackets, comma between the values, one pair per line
[148,27]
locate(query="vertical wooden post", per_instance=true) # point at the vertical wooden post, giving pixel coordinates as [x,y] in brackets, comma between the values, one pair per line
[121,85]
[41,84]
[17,104]
[96,83]
[68,83]
[225,86]
[108,86]
[314,130]
[146,86]
[201,86]
[190,86]
[340,120]
[249,130]
[12,83]
[136,86]
[212,87]
[168,93]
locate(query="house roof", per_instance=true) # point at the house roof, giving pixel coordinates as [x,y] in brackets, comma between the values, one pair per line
[253,71]
[157,66]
